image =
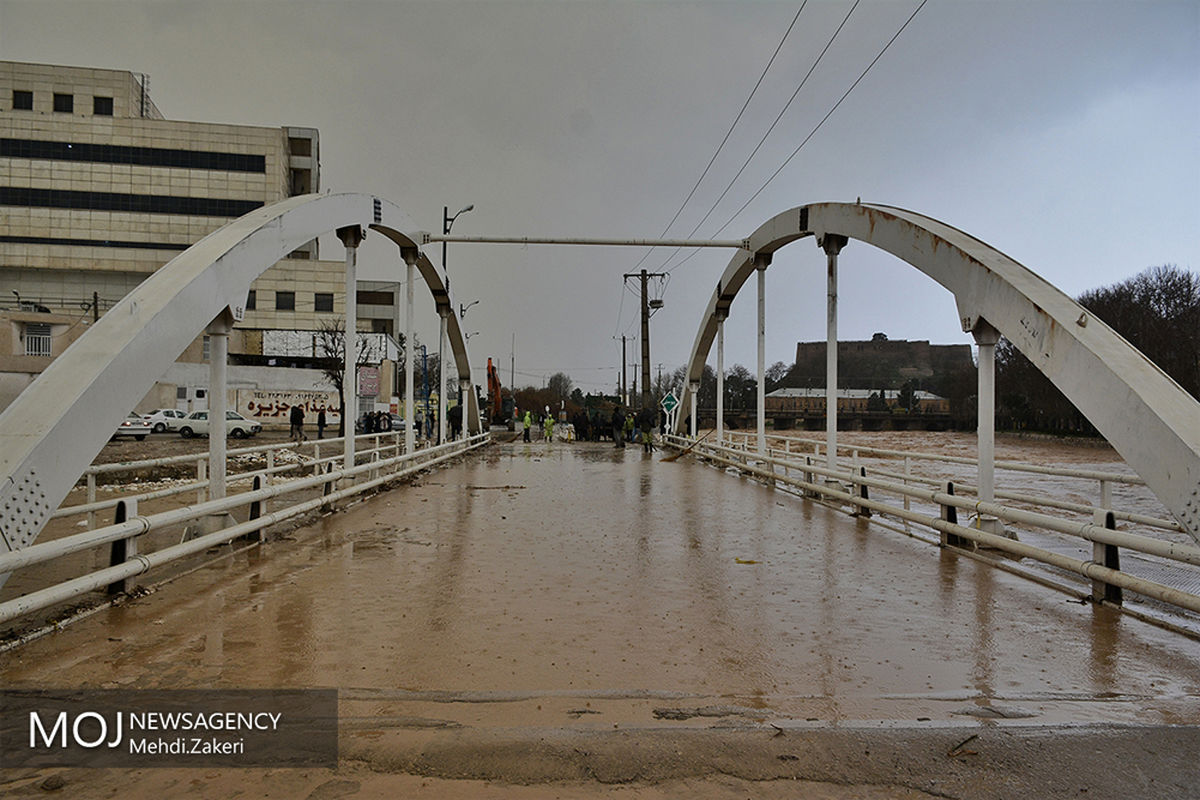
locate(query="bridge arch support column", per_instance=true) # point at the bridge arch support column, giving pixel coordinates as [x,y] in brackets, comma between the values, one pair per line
[54,429]
[1139,409]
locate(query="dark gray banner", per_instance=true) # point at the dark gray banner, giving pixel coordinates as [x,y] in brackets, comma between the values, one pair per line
[168,728]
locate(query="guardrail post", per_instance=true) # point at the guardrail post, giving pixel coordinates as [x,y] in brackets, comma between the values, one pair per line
[122,549]
[91,498]
[1106,555]
[950,514]
[202,476]
[907,475]
[316,459]
[256,508]
[328,488]
[862,511]
[808,477]
[1105,494]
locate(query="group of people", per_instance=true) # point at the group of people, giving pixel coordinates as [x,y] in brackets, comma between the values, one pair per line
[592,426]
[634,427]
[376,422]
[296,420]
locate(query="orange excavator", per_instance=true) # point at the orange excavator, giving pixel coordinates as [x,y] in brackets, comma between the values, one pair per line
[500,408]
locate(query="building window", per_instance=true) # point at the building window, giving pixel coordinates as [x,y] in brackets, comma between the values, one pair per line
[323,301]
[37,339]
[366,298]
[64,102]
[205,350]
[251,300]
[285,301]
[102,106]
[22,100]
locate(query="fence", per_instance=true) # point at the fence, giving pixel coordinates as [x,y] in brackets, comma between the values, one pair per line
[935,504]
[212,521]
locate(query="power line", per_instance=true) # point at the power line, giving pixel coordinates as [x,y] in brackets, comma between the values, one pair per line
[779,116]
[823,119]
[736,119]
[724,140]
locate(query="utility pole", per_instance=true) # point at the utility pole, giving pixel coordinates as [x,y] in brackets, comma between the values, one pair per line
[624,396]
[645,400]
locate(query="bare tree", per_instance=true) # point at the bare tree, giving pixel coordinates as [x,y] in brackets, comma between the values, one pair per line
[330,349]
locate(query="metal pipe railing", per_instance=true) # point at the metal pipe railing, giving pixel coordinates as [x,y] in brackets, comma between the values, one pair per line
[1087,569]
[92,506]
[1015,466]
[1085,530]
[139,525]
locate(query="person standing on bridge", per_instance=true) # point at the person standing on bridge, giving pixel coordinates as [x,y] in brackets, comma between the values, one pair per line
[528,422]
[618,426]
[548,425]
[296,417]
[321,423]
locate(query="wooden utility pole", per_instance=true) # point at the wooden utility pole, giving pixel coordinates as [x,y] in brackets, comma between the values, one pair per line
[645,401]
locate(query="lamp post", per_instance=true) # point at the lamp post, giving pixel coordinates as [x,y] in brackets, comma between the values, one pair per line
[425,369]
[447,223]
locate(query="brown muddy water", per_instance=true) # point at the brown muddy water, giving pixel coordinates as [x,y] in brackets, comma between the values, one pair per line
[582,588]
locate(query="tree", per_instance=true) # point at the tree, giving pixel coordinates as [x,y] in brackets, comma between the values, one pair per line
[1157,311]
[559,387]
[776,373]
[330,348]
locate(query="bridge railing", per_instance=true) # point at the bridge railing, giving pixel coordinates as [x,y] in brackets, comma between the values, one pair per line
[213,521]
[280,457]
[908,498]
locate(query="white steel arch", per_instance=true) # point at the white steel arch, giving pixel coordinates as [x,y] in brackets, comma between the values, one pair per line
[54,428]
[1150,420]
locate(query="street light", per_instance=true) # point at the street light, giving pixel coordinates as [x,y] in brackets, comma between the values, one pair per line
[447,223]
[467,336]
[462,310]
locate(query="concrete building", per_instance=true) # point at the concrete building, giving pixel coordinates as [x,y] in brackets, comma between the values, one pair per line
[98,190]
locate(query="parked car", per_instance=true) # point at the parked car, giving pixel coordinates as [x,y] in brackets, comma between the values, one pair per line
[161,419]
[237,426]
[133,426]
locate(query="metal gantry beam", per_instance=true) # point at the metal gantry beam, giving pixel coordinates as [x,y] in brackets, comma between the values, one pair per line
[736,244]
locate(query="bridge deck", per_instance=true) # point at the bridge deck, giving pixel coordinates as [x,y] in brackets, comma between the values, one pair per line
[582,588]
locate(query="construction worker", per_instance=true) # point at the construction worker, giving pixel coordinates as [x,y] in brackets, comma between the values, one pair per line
[548,425]
[528,422]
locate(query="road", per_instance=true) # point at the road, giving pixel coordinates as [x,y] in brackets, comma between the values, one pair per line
[542,614]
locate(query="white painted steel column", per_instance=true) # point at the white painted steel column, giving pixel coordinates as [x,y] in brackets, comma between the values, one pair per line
[760,262]
[218,402]
[986,337]
[441,389]
[351,237]
[832,244]
[695,393]
[410,261]
[720,379]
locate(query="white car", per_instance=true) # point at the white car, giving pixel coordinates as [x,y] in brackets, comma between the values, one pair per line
[237,426]
[133,426]
[164,419]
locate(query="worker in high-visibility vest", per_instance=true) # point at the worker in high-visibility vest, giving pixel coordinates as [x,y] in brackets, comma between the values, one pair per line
[528,422]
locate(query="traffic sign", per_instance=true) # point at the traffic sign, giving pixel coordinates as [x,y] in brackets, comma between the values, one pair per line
[669,402]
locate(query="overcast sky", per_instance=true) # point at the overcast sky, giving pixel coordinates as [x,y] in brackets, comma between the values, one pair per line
[1065,134]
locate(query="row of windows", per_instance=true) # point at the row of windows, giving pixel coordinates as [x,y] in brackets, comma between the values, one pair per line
[133,203]
[286,301]
[22,100]
[59,242]
[141,156]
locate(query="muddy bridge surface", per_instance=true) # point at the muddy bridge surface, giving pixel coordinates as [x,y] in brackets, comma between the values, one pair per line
[576,612]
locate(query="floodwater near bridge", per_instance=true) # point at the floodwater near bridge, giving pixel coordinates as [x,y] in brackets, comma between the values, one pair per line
[585,589]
